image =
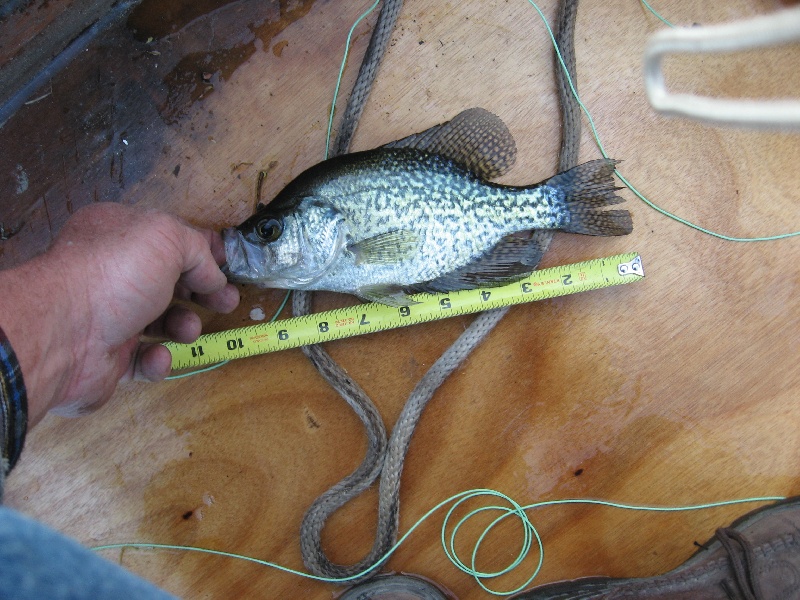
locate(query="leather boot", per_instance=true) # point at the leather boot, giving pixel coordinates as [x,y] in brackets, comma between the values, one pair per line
[403,586]
[756,558]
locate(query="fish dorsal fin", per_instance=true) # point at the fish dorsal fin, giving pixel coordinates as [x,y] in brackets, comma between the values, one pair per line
[385,248]
[512,257]
[475,138]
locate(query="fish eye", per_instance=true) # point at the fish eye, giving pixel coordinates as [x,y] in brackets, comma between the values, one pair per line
[269,229]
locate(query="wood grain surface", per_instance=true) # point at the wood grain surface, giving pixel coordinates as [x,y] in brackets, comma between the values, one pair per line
[680,389]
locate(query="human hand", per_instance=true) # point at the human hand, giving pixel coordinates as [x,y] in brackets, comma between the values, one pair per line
[111,275]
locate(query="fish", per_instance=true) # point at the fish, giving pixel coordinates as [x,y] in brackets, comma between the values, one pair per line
[420,214]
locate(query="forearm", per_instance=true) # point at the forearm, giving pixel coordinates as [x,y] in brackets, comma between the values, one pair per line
[36,318]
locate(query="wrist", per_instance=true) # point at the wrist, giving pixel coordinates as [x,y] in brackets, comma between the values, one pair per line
[13,408]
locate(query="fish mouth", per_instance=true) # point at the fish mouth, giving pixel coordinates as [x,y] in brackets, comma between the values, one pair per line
[250,262]
[237,265]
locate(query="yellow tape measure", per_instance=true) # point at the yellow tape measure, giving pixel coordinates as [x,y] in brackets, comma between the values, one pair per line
[369,318]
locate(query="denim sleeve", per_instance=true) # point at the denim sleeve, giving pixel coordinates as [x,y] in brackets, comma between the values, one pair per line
[37,563]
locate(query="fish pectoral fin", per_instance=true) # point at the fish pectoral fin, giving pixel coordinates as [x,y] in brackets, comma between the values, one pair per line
[474,138]
[391,295]
[514,256]
[386,248]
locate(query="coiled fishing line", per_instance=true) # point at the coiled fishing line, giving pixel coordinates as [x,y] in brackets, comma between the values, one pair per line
[512,508]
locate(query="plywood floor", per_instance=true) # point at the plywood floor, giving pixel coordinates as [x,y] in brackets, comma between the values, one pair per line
[680,389]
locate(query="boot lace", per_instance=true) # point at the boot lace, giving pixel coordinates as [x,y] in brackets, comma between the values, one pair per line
[742,561]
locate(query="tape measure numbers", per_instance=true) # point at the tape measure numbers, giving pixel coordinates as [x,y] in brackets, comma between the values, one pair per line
[369,318]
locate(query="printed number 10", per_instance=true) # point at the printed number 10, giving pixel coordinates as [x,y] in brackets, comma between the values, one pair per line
[234,344]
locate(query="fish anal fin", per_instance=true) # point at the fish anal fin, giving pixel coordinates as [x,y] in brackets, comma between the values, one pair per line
[514,256]
[474,138]
[385,248]
[391,295]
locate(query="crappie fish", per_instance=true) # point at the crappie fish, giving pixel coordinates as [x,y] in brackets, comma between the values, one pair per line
[418,215]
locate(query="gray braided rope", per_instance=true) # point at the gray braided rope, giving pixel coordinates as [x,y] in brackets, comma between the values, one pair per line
[386,459]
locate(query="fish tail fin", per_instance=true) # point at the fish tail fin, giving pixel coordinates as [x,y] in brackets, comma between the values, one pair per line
[586,189]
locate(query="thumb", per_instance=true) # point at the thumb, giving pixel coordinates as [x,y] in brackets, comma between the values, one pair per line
[200,272]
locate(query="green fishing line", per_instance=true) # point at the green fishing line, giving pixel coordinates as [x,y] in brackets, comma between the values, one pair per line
[512,509]
[627,183]
[341,73]
[652,10]
[198,371]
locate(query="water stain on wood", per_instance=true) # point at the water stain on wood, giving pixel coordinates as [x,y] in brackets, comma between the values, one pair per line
[99,128]
[214,40]
[278,48]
